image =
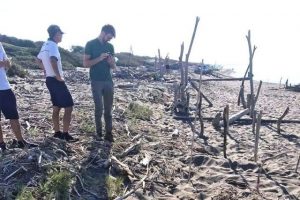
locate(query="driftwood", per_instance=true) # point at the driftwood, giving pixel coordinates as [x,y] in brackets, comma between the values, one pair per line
[181,64]
[199,106]
[297,164]
[280,119]
[222,79]
[22,168]
[258,177]
[245,121]
[189,51]
[250,75]
[241,97]
[137,186]
[132,148]
[121,166]
[254,121]
[258,91]
[236,117]
[257,135]
[193,84]
[226,128]
[82,186]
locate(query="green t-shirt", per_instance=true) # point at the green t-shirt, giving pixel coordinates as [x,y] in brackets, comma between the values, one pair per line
[101,70]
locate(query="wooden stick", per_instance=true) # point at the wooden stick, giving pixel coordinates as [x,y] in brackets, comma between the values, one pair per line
[226,128]
[134,147]
[22,168]
[257,135]
[236,116]
[222,79]
[254,121]
[193,84]
[280,119]
[258,91]
[124,167]
[199,106]
[258,177]
[250,75]
[189,51]
[297,164]
[135,187]
[181,65]
[82,186]
[248,121]
[241,96]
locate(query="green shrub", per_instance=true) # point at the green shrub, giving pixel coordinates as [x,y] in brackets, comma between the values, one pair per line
[114,186]
[58,185]
[16,70]
[138,111]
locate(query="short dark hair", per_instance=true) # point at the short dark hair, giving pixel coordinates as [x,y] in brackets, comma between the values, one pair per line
[109,29]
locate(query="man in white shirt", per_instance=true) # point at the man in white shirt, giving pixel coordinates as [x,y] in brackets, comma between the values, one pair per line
[49,59]
[8,106]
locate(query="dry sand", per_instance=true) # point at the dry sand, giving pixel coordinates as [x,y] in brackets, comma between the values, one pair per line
[168,142]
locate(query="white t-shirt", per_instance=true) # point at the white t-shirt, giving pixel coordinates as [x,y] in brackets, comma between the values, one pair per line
[48,50]
[4,84]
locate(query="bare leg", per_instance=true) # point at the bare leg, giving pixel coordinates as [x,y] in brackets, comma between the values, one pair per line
[16,128]
[67,119]
[55,118]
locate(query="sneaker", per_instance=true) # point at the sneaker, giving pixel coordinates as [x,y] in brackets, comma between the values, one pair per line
[109,137]
[69,138]
[23,144]
[3,146]
[59,135]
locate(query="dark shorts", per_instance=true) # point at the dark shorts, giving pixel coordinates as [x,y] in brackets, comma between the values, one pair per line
[60,95]
[8,104]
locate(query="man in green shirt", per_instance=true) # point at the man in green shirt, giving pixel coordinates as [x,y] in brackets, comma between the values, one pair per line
[99,57]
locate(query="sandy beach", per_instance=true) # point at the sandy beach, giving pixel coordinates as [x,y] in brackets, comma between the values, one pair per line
[173,172]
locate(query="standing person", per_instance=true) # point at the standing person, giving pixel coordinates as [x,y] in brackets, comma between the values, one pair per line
[99,57]
[49,59]
[8,106]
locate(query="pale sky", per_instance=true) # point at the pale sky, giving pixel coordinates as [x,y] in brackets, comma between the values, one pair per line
[147,25]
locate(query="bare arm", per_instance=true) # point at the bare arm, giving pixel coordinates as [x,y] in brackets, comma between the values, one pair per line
[88,62]
[53,61]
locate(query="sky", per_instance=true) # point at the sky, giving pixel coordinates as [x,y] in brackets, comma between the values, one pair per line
[148,25]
